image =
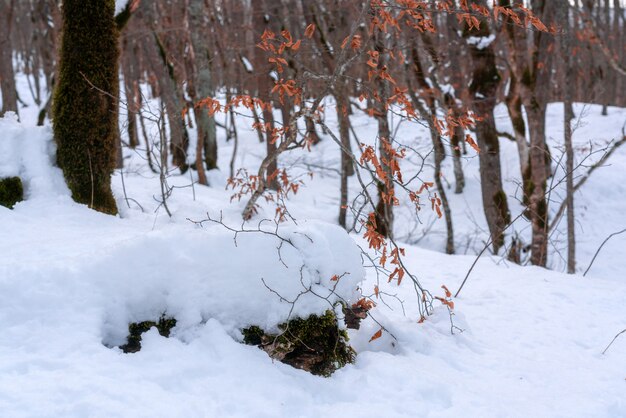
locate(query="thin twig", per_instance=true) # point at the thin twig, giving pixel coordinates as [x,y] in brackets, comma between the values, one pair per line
[599,248]
[613,340]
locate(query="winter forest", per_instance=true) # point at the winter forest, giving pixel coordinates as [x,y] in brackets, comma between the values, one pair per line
[306,208]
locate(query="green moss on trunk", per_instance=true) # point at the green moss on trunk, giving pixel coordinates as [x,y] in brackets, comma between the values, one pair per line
[501,204]
[315,344]
[85,106]
[11,191]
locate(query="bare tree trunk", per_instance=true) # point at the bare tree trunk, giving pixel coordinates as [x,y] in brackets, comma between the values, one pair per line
[530,61]
[457,141]
[536,184]
[458,137]
[347,169]
[272,167]
[483,89]
[171,96]
[131,90]
[608,92]
[514,107]
[384,207]
[569,164]
[231,112]
[568,112]
[257,122]
[179,139]
[311,132]
[7,76]
[200,87]
[442,191]
[439,150]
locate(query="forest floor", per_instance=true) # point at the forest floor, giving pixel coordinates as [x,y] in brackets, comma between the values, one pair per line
[522,341]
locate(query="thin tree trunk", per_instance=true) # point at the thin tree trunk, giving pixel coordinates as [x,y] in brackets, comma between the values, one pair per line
[179,137]
[7,76]
[536,185]
[530,61]
[458,137]
[272,167]
[131,90]
[203,81]
[257,122]
[384,207]
[568,112]
[514,107]
[483,89]
[311,132]
[439,150]
[347,169]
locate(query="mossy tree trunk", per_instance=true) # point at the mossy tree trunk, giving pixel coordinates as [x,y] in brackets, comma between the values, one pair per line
[85,106]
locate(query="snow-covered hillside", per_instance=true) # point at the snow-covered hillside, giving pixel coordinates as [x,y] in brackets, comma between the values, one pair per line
[72,279]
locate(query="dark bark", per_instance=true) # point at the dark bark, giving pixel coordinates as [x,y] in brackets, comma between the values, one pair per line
[529,60]
[483,89]
[438,148]
[347,168]
[568,112]
[384,207]
[270,144]
[514,107]
[7,75]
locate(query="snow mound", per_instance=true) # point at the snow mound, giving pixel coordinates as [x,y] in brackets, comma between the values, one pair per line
[259,279]
[28,152]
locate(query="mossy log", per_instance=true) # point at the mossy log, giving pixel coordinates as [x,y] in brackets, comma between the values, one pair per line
[315,344]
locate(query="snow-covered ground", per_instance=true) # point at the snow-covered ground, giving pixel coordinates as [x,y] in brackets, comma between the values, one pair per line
[72,279]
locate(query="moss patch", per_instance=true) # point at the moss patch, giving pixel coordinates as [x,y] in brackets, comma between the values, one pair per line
[542,213]
[133,342]
[11,191]
[500,202]
[315,344]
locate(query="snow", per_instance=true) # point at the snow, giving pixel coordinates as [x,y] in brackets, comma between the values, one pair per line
[72,279]
[120,5]
[481,42]
[247,64]
[448,89]
[28,152]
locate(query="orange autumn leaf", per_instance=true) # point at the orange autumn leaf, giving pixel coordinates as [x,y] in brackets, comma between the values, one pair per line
[446,302]
[448,293]
[310,30]
[472,143]
[345,42]
[364,304]
[377,335]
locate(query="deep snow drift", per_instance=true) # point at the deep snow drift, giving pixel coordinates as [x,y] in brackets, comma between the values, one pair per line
[71,279]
